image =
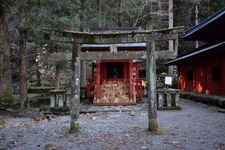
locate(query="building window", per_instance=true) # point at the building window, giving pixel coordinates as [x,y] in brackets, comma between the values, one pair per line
[190,75]
[216,74]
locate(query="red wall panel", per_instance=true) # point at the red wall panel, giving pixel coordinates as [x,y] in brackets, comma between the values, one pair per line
[202,75]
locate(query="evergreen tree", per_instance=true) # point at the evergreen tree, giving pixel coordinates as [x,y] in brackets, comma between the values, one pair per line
[6,97]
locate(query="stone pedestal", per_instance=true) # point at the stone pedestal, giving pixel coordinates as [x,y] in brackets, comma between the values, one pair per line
[57,98]
[168,98]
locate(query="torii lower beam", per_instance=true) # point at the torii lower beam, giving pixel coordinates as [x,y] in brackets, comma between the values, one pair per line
[109,55]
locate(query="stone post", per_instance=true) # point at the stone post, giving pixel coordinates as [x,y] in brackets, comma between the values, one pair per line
[160,99]
[168,99]
[75,90]
[151,85]
[52,100]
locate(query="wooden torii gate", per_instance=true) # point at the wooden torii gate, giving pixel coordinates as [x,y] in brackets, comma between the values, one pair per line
[142,36]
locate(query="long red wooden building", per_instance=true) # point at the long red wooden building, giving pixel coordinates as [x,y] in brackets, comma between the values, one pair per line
[202,70]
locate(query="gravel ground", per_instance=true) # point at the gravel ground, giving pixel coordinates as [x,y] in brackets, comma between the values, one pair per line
[196,126]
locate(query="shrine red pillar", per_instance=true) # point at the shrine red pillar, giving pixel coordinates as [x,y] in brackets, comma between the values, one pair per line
[131,84]
[137,70]
[138,83]
[125,71]
[98,82]
[104,74]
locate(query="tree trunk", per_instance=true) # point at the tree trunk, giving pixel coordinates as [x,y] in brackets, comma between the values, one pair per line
[120,13]
[5,65]
[171,44]
[57,77]
[23,69]
[82,9]
[170,13]
[38,74]
[99,11]
[151,85]
[75,91]
[196,23]
[55,49]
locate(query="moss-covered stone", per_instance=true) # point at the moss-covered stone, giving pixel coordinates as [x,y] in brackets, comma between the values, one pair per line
[7,98]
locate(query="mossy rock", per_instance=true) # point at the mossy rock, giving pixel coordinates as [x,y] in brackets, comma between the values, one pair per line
[7,98]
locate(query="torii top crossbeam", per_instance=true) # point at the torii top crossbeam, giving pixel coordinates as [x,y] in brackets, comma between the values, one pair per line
[109,37]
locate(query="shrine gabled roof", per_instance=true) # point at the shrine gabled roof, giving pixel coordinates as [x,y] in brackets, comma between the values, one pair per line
[211,29]
[197,52]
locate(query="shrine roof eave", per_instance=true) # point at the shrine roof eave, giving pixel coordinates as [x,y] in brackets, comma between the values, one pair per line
[195,52]
[208,26]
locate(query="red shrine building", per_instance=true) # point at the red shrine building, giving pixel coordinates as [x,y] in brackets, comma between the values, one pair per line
[114,81]
[202,70]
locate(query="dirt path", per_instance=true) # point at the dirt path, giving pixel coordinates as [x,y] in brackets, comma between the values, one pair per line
[197,126]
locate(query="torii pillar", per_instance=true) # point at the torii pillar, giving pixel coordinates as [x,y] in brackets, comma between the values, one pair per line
[75,90]
[151,86]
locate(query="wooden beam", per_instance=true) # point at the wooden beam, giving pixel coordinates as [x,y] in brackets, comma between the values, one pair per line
[151,86]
